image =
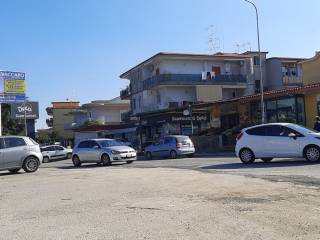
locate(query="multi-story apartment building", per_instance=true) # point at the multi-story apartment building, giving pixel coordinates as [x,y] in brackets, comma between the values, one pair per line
[169,80]
[284,72]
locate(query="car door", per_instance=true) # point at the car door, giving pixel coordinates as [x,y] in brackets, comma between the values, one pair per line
[50,151]
[93,153]
[158,149]
[279,144]
[166,146]
[14,152]
[59,152]
[83,150]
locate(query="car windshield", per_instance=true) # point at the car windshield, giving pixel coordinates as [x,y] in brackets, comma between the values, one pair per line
[304,129]
[109,143]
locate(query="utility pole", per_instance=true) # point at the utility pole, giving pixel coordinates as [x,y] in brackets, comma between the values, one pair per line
[260,63]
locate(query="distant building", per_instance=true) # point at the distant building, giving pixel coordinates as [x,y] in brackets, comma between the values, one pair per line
[90,119]
[58,117]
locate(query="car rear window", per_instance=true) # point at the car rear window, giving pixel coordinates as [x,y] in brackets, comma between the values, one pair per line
[183,139]
[257,131]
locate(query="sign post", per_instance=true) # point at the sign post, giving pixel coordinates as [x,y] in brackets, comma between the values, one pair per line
[12,89]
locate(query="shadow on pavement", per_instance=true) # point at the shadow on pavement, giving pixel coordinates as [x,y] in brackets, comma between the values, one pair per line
[7,173]
[87,166]
[274,164]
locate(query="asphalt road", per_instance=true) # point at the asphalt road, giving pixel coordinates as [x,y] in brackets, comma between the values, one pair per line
[297,171]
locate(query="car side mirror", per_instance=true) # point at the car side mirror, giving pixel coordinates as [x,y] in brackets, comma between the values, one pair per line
[96,147]
[292,135]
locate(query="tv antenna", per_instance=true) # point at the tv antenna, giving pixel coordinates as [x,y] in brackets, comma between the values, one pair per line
[213,40]
[242,47]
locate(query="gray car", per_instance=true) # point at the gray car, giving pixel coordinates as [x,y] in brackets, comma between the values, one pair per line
[102,151]
[171,146]
[19,152]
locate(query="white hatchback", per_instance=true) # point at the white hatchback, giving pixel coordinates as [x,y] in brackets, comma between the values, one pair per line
[278,140]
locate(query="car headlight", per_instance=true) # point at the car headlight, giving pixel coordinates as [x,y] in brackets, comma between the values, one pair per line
[115,152]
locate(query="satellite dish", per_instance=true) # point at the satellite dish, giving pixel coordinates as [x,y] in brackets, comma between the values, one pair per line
[186,112]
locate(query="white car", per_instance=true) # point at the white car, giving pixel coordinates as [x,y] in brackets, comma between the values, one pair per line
[278,140]
[102,151]
[55,152]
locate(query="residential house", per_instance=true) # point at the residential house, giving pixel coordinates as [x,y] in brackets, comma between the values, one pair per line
[58,117]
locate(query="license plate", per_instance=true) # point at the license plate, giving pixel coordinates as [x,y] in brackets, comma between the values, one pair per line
[129,156]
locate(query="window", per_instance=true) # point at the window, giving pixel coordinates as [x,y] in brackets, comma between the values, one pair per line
[167,140]
[59,148]
[84,144]
[275,131]
[257,131]
[14,142]
[90,115]
[92,144]
[139,102]
[256,60]
[134,104]
[50,149]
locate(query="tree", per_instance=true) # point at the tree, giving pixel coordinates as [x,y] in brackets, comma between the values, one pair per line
[11,126]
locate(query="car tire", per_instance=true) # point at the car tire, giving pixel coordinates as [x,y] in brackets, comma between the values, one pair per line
[69,155]
[246,156]
[30,164]
[105,160]
[76,161]
[149,155]
[15,170]
[173,154]
[45,160]
[266,159]
[129,162]
[312,153]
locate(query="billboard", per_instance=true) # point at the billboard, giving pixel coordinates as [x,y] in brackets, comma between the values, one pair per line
[28,109]
[12,86]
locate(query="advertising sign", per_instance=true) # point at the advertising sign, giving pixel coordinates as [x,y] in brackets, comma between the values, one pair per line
[28,109]
[12,86]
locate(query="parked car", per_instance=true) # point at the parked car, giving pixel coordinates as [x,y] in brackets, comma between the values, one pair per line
[19,152]
[104,151]
[124,142]
[55,152]
[277,140]
[171,146]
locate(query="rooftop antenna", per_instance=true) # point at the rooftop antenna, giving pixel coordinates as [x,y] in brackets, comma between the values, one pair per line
[73,97]
[237,45]
[213,41]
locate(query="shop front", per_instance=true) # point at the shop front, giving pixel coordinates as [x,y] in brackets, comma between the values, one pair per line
[156,126]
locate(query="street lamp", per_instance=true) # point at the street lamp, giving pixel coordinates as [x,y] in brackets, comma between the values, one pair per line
[260,64]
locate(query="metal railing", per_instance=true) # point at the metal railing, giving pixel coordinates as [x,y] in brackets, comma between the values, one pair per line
[192,79]
[125,93]
[292,80]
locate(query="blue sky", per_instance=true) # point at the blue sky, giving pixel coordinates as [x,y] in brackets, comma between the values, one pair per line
[78,48]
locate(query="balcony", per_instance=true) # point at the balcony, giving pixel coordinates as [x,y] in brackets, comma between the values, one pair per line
[292,81]
[49,122]
[125,94]
[192,80]
[126,116]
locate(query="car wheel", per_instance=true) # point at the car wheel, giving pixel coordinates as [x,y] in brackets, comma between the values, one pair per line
[266,159]
[129,162]
[14,170]
[69,155]
[148,155]
[173,154]
[246,156]
[105,160]
[76,161]
[312,153]
[30,164]
[45,160]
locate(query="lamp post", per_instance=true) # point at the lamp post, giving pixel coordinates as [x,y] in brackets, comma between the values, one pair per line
[260,63]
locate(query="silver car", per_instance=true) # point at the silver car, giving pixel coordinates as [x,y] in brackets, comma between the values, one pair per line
[55,152]
[171,146]
[102,151]
[19,152]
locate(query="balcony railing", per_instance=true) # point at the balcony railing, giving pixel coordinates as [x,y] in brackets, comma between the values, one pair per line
[125,94]
[292,80]
[192,79]
[125,116]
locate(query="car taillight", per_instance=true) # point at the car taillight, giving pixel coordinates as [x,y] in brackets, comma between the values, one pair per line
[178,145]
[239,136]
